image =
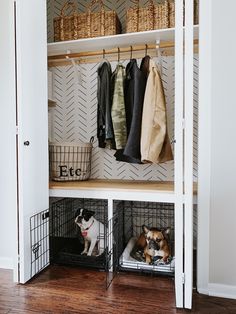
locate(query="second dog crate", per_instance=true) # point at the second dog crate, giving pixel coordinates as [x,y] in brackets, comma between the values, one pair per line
[129,218]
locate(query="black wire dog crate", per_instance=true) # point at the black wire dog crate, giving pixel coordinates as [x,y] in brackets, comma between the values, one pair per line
[129,219]
[66,241]
[57,239]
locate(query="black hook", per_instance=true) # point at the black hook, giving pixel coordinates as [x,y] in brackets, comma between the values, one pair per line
[131,52]
[103,52]
[118,54]
[146,49]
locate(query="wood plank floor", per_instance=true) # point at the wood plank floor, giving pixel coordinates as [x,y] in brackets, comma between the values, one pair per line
[64,290]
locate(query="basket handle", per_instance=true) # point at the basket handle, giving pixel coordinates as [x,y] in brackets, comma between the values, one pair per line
[151,7]
[102,16]
[66,6]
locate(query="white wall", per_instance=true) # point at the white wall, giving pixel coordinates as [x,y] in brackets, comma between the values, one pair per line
[7,138]
[223,145]
[217,209]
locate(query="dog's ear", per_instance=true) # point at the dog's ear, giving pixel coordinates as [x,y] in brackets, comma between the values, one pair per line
[167,230]
[166,233]
[77,213]
[145,229]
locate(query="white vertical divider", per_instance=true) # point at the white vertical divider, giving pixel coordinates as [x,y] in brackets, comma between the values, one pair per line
[179,152]
[188,156]
[110,231]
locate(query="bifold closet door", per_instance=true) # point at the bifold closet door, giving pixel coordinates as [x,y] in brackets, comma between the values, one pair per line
[31,57]
[188,154]
[184,153]
[8,186]
[179,104]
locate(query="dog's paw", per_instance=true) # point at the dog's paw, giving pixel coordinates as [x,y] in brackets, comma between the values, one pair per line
[84,253]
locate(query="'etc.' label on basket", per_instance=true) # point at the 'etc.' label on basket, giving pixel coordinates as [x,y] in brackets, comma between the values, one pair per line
[65,172]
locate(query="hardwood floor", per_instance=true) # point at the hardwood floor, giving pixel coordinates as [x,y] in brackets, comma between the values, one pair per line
[64,290]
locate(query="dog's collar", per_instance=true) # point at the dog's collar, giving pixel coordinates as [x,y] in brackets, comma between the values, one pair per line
[89,226]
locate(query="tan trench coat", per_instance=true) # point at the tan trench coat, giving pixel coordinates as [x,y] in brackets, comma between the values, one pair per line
[155,143]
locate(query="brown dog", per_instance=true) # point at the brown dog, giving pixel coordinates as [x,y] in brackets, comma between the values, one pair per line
[153,242]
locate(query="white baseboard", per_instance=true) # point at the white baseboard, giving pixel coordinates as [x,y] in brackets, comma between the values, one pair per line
[203,291]
[222,291]
[6,263]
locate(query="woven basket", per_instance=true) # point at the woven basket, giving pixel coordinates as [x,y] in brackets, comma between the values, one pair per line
[68,27]
[102,23]
[154,16]
[70,161]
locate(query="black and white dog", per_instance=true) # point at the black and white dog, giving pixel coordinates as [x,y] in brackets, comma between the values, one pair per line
[92,231]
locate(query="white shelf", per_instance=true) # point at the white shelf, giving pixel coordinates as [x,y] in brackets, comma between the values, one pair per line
[109,42]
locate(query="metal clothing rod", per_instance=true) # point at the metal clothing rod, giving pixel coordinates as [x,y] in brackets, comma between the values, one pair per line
[113,51]
[108,51]
[95,56]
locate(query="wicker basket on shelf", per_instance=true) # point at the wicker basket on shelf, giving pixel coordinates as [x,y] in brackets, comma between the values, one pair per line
[85,25]
[102,23]
[69,27]
[154,16]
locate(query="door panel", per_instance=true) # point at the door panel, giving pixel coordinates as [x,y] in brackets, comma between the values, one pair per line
[8,186]
[31,47]
[188,156]
[179,100]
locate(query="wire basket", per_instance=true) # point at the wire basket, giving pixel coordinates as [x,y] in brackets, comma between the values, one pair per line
[153,16]
[70,161]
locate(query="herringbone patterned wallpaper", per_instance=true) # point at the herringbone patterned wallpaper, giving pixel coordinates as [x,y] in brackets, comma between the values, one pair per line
[75,117]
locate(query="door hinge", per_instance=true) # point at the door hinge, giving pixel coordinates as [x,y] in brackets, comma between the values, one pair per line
[183,278]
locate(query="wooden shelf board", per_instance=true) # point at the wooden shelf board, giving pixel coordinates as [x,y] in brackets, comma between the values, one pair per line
[109,42]
[117,185]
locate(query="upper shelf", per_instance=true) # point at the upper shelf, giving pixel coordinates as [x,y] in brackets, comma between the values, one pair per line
[109,42]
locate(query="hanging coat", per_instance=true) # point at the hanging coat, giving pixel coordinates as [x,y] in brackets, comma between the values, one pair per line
[155,143]
[135,85]
[105,131]
[118,108]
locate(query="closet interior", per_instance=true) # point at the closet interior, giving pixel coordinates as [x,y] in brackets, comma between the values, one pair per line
[124,195]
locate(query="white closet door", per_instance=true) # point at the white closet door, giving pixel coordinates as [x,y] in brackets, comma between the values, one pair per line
[31,47]
[188,156]
[179,104]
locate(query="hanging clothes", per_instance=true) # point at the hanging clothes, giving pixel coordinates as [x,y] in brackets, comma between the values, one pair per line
[118,108]
[105,132]
[155,143]
[135,84]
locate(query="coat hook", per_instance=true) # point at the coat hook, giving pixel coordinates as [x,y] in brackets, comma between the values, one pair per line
[146,49]
[103,53]
[118,54]
[131,52]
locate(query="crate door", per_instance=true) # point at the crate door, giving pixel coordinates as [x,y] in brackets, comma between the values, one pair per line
[32,120]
